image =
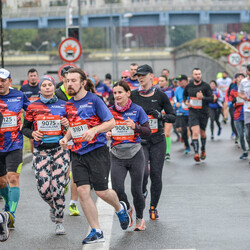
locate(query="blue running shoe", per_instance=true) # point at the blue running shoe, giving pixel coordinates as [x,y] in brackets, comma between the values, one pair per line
[123,216]
[219,131]
[187,151]
[93,237]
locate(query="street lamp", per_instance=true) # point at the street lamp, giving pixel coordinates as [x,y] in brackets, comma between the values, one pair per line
[44,43]
[127,36]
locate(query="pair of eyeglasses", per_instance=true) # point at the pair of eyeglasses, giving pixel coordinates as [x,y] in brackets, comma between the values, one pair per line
[124,77]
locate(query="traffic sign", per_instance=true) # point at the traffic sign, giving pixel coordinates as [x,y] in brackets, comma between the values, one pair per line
[234,59]
[244,49]
[70,50]
[64,65]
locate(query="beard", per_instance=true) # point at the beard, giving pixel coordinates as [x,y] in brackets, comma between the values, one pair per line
[197,81]
[33,83]
[72,92]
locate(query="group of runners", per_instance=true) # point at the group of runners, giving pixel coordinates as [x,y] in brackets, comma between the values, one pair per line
[71,123]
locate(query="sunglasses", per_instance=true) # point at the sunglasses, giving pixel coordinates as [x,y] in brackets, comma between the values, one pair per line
[124,77]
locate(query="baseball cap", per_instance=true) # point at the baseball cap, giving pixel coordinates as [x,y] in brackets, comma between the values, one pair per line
[108,76]
[65,70]
[125,73]
[239,74]
[181,77]
[143,70]
[248,67]
[4,73]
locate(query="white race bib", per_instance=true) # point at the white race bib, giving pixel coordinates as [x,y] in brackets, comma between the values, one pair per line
[49,125]
[153,124]
[184,106]
[77,129]
[9,122]
[121,131]
[196,103]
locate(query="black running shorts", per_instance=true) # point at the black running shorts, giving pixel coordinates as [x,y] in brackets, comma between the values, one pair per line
[11,162]
[181,121]
[92,168]
[198,118]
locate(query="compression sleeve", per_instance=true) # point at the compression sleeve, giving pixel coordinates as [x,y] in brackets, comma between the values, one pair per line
[27,128]
[144,129]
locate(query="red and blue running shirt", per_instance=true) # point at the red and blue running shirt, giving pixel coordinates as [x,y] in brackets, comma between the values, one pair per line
[32,92]
[169,91]
[238,105]
[10,106]
[85,114]
[121,133]
[133,84]
[102,89]
[46,119]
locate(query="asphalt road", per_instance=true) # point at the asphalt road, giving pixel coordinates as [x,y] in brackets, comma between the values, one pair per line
[203,207]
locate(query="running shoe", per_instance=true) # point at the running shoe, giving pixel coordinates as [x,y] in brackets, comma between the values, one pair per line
[197,157]
[167,157]
[11,221]
[236,140]
[73,210]
[233,135]
[93,237]
[52,215]
[123,216]
[4,231]
[244,156]
[212,137]
[219,131]
[140,225]
[130,212]
[66,188]
[203,155]
[153,213]
[60,229]
[187,151]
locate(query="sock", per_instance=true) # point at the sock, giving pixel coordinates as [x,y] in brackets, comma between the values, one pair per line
[14,198]
[98,231]
[5,192]
[196,145]
[168,141]
[203,143]
[72,202]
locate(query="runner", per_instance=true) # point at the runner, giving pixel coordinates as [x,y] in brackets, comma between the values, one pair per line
[196,96]
[153,101]
[239,114]
[62,94]
[132,80]
[45,122]
[182,111]
[32,77]
[168,90]
[89,118]
[126,150]
[215,108]
[101,88]
[11,143]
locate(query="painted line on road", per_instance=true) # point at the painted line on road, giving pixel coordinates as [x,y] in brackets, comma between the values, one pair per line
[105,216]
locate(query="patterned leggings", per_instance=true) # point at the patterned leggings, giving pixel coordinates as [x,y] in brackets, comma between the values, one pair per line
[51,168]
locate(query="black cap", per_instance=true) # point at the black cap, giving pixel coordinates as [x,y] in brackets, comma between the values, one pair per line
[65,70]
[143,70]
[108,76]
[239,74]
[248,67]
[181,77]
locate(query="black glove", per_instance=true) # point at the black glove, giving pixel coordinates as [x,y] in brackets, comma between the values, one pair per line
[156,114]
[234,100]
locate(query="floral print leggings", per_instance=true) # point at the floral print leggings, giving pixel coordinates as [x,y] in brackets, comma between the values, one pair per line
[51,166]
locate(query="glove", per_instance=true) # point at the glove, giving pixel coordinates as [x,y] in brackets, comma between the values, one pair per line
[156,114]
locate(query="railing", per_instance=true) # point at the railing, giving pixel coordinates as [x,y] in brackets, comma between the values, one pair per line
[153,6]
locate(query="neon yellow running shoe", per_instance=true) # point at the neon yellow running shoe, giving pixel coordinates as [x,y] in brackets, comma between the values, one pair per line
[66,188]
[73,210]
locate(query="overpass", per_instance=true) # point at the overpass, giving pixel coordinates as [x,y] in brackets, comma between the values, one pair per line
[157,13]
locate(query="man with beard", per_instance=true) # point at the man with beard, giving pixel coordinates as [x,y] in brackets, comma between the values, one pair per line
[197,94]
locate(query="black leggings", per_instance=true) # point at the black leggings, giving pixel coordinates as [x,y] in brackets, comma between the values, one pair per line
[214,115]
[155,153]
[231,112]
[119,169]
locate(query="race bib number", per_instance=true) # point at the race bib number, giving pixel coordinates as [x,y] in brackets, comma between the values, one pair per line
[9,123]
[77,129]
[122,132]
[196,103]
[49,125]
[184,106]
[153,123]
[239,101]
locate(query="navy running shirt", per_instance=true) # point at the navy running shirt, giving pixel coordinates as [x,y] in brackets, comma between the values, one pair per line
[32,92]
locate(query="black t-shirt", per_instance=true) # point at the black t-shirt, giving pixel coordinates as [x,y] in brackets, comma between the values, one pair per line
[159,101]
[191,90]
[32,92]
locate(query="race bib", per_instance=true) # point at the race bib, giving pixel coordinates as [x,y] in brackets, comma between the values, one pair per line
[9,123]
[248,104]
[121,131]
[77,129]
[196,103]
[153,123]
[184,106]
[239,101]
[49,125]
[34,98]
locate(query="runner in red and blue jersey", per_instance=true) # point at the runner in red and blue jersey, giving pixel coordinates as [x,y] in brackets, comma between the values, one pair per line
[215,108]
[169,91]
[89,119]
[238,115]
[126,150]
[132,80]
[101,88]
[11,142]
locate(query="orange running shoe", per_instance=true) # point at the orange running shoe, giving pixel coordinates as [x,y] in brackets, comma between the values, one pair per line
[130,212]
[153,213]
[197,157]
[140,225]
[203,155]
